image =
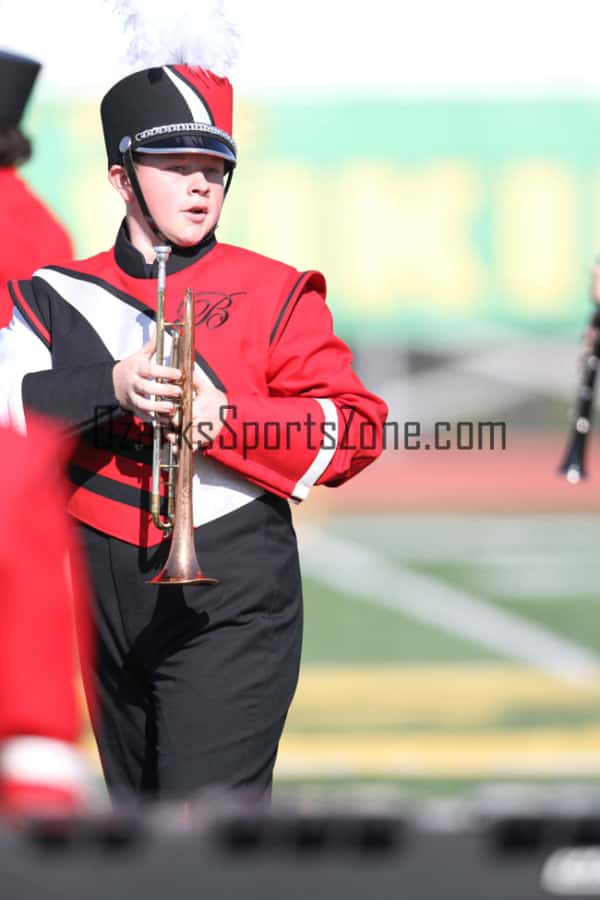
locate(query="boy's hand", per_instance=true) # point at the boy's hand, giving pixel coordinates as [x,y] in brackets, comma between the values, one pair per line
[207,412]
[134,380]
[208,415]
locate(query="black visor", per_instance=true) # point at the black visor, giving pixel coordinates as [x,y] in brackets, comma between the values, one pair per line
[187,143]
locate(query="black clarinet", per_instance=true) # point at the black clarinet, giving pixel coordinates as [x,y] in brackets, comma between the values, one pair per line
[573,464]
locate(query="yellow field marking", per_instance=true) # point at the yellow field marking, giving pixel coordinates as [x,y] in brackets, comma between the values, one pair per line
[543,752]
[362,697]
[358,700]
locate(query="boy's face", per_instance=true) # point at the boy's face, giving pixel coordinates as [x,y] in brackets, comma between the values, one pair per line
[184,192]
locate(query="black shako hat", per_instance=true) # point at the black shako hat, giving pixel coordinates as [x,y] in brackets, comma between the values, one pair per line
[17,77]
[169,109]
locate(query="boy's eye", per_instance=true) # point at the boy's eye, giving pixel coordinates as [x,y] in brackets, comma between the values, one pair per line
[176,167]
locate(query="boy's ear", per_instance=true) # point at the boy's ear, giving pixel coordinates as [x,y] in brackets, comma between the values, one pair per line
[120,181]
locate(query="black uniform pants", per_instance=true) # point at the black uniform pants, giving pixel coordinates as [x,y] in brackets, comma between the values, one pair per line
[194,683]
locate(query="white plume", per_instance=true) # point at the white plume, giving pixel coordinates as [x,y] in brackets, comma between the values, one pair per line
[178,32]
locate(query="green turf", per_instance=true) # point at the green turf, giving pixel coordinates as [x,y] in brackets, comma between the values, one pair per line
[574,618]
[454,551]
[409,789]
[345,630]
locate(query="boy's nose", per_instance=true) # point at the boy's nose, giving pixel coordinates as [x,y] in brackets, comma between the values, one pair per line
[198,183]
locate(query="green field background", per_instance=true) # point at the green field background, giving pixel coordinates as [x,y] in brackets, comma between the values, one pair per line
[435,222]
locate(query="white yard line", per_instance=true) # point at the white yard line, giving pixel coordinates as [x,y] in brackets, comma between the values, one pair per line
[350,568]
[461,538]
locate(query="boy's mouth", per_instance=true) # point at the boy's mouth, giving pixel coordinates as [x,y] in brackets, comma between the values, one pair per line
[197,210]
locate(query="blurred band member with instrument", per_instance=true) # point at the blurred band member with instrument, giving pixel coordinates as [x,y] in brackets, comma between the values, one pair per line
[573,463]
[30,235]
[194,680]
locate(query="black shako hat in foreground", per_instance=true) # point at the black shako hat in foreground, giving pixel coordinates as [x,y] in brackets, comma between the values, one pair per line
[17,77]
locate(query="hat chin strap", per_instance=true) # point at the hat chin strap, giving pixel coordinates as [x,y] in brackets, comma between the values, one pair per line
[125,148]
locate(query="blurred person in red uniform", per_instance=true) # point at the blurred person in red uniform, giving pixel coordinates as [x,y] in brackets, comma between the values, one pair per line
[41,768]
[30,235]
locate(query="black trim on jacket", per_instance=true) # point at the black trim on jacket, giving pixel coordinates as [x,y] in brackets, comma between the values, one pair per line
[132,261]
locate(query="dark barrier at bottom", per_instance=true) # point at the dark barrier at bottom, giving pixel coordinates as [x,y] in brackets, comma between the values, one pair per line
[500,846]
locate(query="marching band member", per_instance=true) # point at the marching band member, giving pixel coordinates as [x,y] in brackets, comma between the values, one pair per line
[194,683]
[30,235]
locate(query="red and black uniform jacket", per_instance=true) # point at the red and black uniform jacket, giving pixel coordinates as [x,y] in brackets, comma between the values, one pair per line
[296,412]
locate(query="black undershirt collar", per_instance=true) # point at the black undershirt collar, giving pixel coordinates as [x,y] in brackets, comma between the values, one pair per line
[132,261]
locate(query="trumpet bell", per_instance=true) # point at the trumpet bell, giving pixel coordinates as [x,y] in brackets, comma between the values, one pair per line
[182,566]
[166,577]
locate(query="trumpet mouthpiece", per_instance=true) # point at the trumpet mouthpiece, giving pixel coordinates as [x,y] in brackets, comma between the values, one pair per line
[162,252]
